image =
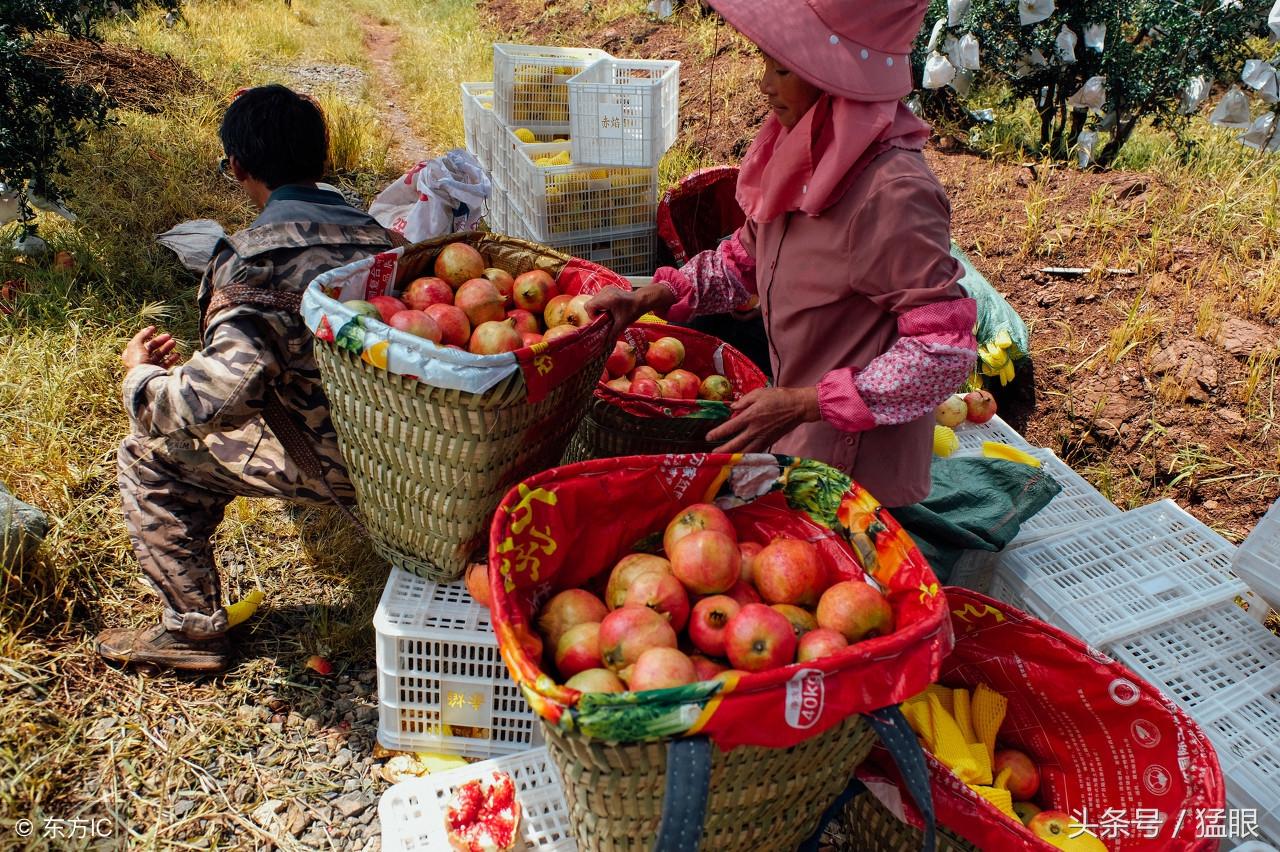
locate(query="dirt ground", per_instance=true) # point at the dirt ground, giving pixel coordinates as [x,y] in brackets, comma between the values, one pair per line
[134,79]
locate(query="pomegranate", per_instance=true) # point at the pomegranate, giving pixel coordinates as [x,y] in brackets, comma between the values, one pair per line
[1023,779]
[422,292]
[759,638]
[529,339]
[708,622]
[559,331]
[596,680]
[363,308]
[625,572]
[789,571]
[483,815]
[706,562]
[669,389]
[704,668]
[981,406]
[532,290]
[480,301]
[568,609]
[319,665]
[646,387]
[388,306]
[478,583]
[628,632]
[524,322]
[622,359]
[661,668]
[715,388]
[801,620]
[748,550]
[556,311]
[579,649]
[855,610]
[665,354]
[621,385]
[686,383]
[643,372]
[502,282]
[699,516]
[952,412]
[576,312]
[662,593]
[819,643]
[459,262]
[416,323]
[455,328]
[744,593]
[492,338]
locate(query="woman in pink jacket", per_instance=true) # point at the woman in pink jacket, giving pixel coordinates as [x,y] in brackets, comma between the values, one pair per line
[847,244]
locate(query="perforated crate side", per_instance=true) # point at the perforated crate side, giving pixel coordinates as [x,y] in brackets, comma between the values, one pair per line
[1200,656]
[625,112]
[412,813]
[505,145]
[1077,503]
[1258,557]
[625,252]
[1244,726]
[531,82]
[1116,576]
[971,435]
[574,203]
[477,121]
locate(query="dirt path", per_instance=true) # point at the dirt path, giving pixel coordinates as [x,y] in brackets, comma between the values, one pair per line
[380,41]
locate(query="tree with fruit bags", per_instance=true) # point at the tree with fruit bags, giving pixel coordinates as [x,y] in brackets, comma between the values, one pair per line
[1093,69]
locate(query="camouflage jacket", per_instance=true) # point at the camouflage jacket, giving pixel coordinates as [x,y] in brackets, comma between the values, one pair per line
[255,344]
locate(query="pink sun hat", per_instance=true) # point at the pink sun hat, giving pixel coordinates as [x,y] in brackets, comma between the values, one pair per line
[858,49]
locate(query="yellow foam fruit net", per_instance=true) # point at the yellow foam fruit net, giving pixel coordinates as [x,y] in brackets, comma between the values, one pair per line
[958,727]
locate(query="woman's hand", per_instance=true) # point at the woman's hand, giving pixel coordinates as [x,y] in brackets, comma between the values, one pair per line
[625,307]
[147,347]
[763,416]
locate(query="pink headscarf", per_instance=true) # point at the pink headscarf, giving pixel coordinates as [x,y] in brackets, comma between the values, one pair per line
[810,166]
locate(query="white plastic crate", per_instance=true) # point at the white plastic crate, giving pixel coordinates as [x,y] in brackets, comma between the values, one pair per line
[624,252]
[625,112]
[1116,576]
[972,435]
[1258,557]
[506,147]
[573,203]
[412,813]
[1077,503]
[531,82]
[478,121]
[438,664]
[1244,726]
[1200,656]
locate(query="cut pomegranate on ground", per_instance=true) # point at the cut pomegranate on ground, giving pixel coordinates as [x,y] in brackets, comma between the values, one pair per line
[483,815]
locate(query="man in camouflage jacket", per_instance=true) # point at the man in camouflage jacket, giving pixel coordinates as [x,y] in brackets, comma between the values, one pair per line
[227,422]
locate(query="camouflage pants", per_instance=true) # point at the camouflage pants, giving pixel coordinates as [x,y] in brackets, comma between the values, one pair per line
[174,494]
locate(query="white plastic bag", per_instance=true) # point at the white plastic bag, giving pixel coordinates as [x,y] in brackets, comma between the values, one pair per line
[1262,135]
[1194,94]
[938,71]
[1095,37]
[661,8]
[435,198]
[1260,76]
[965,54]
[1034,11]
[1091,96]
[956,10]
[1273,20]
[935,35]
[1066,44]
[1030,62]
[1232,110]
[962,82]
[10,205]
[1085,143]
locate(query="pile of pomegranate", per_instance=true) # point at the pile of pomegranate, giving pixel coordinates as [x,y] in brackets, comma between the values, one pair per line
[478,308]
[658,373]
[712,605]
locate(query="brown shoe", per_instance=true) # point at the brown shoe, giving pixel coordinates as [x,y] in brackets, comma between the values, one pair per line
[155,646]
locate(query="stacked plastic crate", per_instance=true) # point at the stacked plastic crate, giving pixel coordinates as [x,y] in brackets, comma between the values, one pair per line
[573,142]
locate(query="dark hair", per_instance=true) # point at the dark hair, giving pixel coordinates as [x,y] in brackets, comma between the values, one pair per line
[277,135]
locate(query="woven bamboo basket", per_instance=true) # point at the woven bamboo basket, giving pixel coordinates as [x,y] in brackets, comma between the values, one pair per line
[610,430]
[866,824]
[429,464]
[760,798]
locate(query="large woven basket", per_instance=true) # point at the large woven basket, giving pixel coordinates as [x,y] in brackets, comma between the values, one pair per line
[867,825]
[760,798]
[429,464]
[618,424]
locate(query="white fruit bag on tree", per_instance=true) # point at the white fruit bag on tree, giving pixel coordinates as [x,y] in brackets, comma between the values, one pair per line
[1034,11]
[1194,94]
[1095,37]
[1262,134]
[938,71]
[1085,143]
[661,8]
[1066,44]
[1091,96]
[1273,20]
[1029,62]
[965,54]
[1232,110]
[435,198]
[10,205]
[962,82]
[956,10]
[1260,76]
[935,35]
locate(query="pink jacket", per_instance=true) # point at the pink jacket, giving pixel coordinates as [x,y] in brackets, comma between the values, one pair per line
[862,302]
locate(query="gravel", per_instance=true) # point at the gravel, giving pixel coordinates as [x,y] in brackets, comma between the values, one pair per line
[345,80]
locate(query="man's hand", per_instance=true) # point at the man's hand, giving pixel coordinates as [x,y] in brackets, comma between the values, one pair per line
[625,307]
[763,416]
[147,347]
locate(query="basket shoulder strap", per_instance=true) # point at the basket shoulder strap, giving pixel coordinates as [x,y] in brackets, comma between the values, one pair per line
[684,804]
